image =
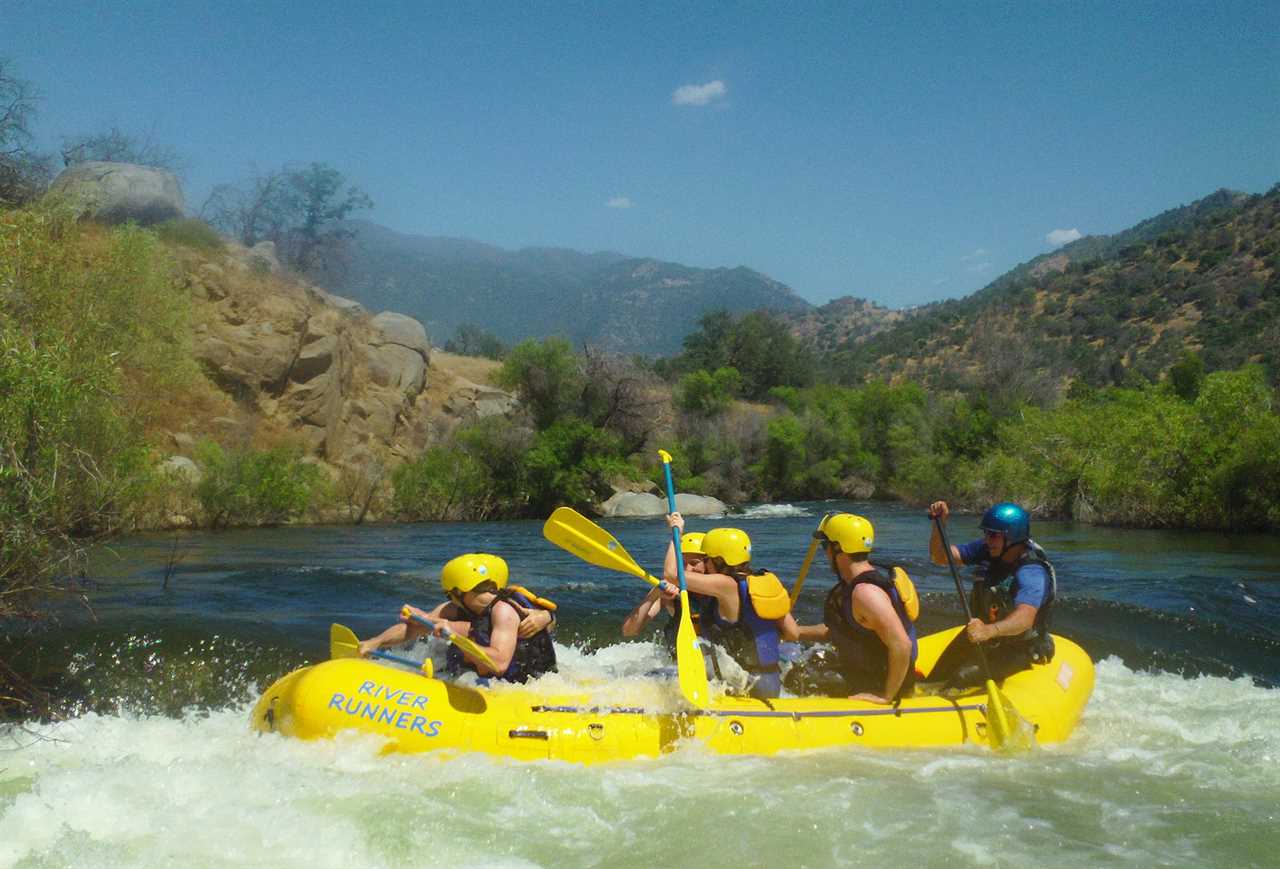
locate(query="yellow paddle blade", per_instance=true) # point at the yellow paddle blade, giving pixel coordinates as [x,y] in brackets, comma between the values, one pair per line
[468,647]
[575,533]
[1006,729]
[689,661]
[343,642]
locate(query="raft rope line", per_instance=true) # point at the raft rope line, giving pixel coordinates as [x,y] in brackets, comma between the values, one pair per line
[762,713]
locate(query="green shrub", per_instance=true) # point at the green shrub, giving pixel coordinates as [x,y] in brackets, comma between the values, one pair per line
[256,487]
[91,323]
[445,482]
[192,232]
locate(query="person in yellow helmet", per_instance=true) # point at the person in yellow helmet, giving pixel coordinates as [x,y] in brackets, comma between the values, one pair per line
[666,594]
[749,612]
[509,623]
[865,616]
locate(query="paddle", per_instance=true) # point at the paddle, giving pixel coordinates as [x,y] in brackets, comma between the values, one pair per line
[464,644]
[689,661]
[343,643]
[575,533]
[998,731]
[808,560]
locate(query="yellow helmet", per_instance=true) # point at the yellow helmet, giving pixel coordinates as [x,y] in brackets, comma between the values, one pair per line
[465,572]
[730,545]
[691,543]
[852,533]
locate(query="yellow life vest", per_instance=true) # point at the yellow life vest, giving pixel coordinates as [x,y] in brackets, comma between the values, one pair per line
[906,593]
[533,598]
[768,596]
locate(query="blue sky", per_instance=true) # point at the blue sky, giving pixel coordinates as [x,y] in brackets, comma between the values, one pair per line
[902,152]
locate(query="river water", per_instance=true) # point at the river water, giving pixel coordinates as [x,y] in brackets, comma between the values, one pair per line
[1176,762]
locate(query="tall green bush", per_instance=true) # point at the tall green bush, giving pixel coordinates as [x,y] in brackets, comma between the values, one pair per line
[256,487]
[91,321]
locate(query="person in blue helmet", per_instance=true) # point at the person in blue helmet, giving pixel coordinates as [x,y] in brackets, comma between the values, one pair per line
[1011,601]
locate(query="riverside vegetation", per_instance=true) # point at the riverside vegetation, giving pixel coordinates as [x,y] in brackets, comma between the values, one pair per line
[95,357]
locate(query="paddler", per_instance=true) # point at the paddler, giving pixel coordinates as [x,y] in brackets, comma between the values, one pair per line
[509,623]
[666,594]
[1011,600]
[750,611]
[869,615]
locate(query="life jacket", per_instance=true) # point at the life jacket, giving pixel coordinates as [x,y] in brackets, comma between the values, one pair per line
[533,655]
[753,639]
[992,600]
[700,607]
[864,659]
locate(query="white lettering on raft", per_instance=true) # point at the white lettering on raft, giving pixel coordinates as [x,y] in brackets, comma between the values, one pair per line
[377,713]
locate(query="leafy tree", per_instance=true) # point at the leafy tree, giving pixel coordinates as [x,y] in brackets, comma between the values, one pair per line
[114,145]
[300,210]
[471,340]
[1187,375]
[571,463]
[759,345]
[546,375]
[24,173]
[706,394]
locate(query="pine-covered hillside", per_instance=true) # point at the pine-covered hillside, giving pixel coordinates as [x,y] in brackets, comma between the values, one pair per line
[1104,309]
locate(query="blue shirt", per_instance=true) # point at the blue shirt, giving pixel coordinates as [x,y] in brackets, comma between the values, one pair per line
[1030,580]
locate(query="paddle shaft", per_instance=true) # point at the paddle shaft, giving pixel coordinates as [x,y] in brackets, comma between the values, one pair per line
[999,734]
[387,656]
[804,571]
[690,665]
[964,600]
[675,529]
[465,644]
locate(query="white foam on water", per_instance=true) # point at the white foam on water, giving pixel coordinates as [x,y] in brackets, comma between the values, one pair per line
[1163,770]
[772,511]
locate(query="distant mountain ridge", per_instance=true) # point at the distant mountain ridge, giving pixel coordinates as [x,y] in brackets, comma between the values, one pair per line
[1102,309]
[622,303]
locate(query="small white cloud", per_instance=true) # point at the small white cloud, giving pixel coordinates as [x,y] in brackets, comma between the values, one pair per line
[977,254]
[699,94]
[1059,237]
[620,202]
[978,267]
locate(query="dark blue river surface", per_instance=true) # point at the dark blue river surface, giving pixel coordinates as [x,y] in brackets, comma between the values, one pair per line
[241,607]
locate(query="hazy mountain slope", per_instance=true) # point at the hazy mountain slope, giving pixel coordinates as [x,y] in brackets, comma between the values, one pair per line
[1204,276]
[626,304]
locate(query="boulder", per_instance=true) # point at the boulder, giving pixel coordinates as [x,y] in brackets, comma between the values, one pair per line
[263,256]
[314,359]
[646,504]
[402,330]
[699,505]
[182,468]
[398,367]
[633,504]
[473,402]
[120,192]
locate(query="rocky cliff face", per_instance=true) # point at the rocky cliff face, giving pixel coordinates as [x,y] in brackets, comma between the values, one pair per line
[362,393]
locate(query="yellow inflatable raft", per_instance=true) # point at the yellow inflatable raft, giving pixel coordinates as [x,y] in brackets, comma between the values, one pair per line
[415,713]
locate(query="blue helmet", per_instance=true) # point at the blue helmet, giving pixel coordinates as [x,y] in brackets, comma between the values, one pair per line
[1010,520]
